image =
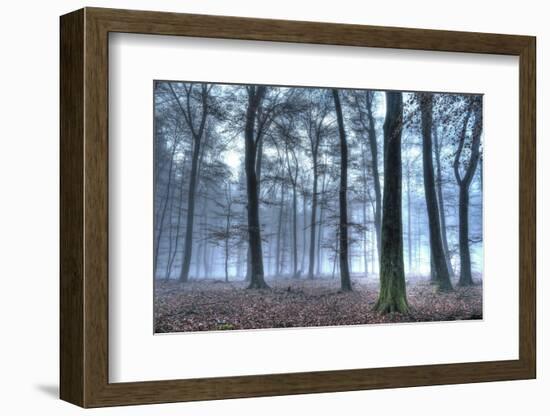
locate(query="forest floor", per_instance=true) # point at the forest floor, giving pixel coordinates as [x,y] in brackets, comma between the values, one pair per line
[206,305]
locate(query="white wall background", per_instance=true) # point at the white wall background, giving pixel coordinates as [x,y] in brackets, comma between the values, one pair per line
[29,209]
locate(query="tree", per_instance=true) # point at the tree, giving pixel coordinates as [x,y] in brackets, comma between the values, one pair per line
[255,97]
[314,120]
[441,201]
[408,176]
[393,296]
[194,113]
[172,253]
[167,196]
[292,167]
[266,113]
[343,227]
[363,102]
[464,180]
[438,263]
[376,176]
[225,234]
[323,202]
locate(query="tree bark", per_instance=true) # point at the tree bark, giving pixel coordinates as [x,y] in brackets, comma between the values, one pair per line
[439,268]
[463,237]
[255,97]
[343,227]
[393,296]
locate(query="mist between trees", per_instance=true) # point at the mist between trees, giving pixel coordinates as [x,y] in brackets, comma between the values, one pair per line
[261,183]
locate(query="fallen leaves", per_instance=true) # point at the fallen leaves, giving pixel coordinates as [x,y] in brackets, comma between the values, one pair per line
[208,305]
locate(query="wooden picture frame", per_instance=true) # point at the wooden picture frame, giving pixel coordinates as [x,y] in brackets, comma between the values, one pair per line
[84,207]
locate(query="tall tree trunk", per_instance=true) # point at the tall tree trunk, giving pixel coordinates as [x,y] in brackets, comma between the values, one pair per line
[438,263]
[239,270]
[365,241]
[364,210]
[271,245]
[393,296]
[463,237]
[375,174]
[178,223]
[162,218]
[279,231]
[248,263]
[343,227]
[409,237]
[198,255]
[372,250]
[418,239]
[294,232]
[197,134]
[319,257]
[170,235]
[313,224]
[258,166]
[188,241]
[304,232]
[441,203]
[205,260]
[464,186]
[335,260]
[226,251]
[292,169]
[255,97]
[284,241]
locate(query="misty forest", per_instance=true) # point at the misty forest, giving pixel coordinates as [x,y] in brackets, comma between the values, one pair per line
[284,207]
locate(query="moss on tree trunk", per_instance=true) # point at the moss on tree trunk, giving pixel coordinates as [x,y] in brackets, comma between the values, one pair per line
[393,294]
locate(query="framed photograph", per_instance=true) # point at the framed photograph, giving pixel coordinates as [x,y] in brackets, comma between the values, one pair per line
[260,207]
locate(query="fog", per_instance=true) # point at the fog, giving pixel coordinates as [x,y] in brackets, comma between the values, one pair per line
[298,173]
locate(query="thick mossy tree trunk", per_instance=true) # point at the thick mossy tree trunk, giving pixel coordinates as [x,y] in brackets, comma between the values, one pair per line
[440,272]
[257,281]
[343,228]
[393,296]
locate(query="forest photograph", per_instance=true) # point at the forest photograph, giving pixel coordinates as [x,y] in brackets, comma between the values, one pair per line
[293,207]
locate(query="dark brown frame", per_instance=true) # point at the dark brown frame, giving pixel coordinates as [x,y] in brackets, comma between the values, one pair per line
[84,208]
